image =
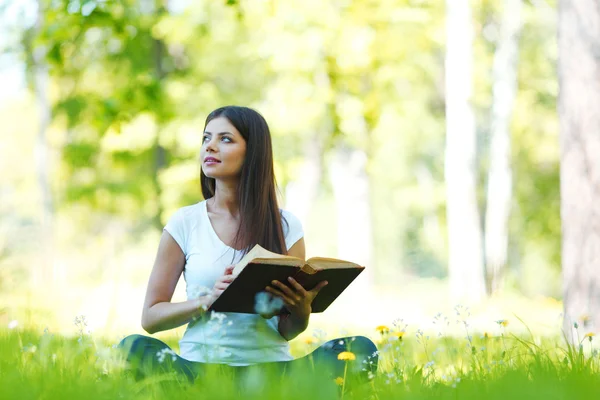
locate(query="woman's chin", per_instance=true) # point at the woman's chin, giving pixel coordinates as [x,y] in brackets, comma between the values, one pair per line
[222,177]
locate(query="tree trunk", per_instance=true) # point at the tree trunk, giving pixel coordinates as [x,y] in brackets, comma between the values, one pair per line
[301,193]
[465,259]
[350,183]
[43,275]
[499,189]
[159,152]
[579,112]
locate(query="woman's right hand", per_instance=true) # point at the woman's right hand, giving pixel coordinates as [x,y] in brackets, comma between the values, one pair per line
[222,283]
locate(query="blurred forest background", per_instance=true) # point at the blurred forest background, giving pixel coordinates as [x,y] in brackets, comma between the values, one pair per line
[402,129]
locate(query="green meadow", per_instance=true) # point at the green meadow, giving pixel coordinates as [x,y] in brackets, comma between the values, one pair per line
[413,364]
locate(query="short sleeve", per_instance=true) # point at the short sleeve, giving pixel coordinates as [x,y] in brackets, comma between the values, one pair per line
[292,228]
[177,229]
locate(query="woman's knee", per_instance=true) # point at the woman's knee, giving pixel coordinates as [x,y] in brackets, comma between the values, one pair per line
[138,347]
[130,342]
[364,345]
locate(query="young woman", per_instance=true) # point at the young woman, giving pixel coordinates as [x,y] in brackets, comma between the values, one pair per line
[204,240]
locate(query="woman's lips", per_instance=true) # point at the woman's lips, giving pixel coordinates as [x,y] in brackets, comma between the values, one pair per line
[211,161]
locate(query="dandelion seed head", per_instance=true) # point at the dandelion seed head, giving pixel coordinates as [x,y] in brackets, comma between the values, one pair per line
[13,324]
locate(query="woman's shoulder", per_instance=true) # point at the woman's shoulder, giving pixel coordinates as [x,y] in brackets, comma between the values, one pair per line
[192,208]
[289,217]
[187,213]
[292,227]
[181,223]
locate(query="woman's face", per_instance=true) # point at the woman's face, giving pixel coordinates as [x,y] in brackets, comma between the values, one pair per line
[223,150]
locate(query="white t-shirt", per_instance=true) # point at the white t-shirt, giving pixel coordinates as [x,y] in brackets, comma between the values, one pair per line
[229,338]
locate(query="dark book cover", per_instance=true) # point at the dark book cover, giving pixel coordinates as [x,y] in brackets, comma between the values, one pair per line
[254,278]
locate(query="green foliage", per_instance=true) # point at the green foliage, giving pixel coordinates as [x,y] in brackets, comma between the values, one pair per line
[496,365]
[131,83]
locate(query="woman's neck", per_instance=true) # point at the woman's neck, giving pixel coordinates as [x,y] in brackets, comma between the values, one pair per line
[225,200]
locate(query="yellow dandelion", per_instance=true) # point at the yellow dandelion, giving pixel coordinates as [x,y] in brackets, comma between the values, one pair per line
[502,322]
[382,329]
[585,319]
[346,356]
[399,335]
[339,381]
[589,335]
[486,335]
[309,340]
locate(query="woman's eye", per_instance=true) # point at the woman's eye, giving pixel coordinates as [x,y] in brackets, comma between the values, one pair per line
[226,139]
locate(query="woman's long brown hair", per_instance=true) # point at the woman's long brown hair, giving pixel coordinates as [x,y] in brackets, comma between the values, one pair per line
[260,218]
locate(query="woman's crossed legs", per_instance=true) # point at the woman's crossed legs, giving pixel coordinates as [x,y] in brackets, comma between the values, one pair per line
[147,356]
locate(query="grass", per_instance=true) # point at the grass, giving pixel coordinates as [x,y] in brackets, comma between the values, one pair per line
[432,364]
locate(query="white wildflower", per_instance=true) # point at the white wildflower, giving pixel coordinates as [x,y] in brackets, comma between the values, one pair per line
[13,324]
[266,304]
[30,348]
[197,291]
[218,316]
[161,354]
[319,334]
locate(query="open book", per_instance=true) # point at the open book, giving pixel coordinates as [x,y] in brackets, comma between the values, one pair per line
[259,267]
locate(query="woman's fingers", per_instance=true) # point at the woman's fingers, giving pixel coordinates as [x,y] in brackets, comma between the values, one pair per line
[225,279]
[281,295]
[319,286]
[287,290]
[297,286]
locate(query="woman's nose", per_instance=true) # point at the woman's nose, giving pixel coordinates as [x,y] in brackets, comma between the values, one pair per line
[210,145]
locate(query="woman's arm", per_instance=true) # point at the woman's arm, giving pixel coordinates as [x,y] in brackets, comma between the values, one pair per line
[159,313]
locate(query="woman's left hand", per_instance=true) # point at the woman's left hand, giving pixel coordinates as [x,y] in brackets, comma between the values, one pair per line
[296,299]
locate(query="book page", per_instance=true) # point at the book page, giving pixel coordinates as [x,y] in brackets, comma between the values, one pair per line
[319,263]
[260,255]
